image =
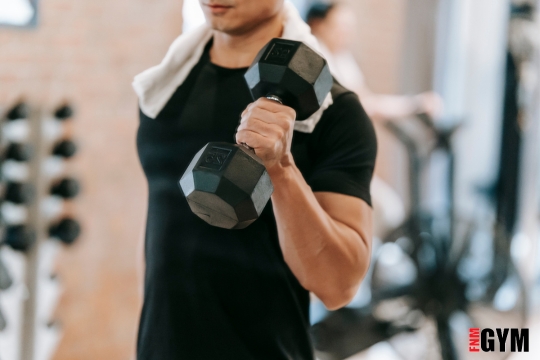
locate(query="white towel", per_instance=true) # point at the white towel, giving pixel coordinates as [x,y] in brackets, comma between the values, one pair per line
[155,86]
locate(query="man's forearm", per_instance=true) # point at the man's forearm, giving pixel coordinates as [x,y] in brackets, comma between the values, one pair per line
[327,256]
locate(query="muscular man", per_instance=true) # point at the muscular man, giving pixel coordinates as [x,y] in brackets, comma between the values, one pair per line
[212,293]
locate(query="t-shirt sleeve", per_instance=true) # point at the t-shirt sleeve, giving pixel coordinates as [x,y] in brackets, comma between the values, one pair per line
[345,148]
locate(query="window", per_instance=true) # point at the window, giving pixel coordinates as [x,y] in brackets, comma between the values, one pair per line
[18,13]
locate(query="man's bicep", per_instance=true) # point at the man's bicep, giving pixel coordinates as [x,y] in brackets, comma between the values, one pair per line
[351,211]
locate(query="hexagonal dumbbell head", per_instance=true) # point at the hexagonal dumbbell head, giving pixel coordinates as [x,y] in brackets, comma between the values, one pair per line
[294,72]
[226,185]
[67,230]
[20,237]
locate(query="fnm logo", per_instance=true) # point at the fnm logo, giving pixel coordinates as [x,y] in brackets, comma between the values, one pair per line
[279,53]
[215,158]
[484,340]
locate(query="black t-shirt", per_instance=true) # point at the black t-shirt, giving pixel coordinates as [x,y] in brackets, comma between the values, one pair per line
[212,293]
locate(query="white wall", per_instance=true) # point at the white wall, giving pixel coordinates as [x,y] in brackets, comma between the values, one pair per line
[470,68]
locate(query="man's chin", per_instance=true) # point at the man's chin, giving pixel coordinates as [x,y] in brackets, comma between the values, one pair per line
[226,28]
[218,24]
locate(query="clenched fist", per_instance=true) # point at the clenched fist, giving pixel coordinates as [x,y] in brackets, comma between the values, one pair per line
[267,127]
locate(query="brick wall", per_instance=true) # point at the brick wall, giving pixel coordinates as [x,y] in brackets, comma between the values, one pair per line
[88,52]
[379,33]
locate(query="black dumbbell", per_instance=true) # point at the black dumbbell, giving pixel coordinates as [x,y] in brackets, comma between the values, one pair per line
[65,149]
[19,193]
[18,152]
[63,112]
[5,277]
[227,185]
[3,322]
[19,237]
[19,111]
[66,230]
[67,188]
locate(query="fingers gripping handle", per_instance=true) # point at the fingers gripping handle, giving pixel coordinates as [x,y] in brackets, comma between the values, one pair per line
[269,97]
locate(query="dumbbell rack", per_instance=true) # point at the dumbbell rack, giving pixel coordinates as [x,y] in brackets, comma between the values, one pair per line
[31,334]
[30,320]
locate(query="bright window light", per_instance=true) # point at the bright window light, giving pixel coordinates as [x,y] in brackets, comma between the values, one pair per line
[192,15]
[16,12]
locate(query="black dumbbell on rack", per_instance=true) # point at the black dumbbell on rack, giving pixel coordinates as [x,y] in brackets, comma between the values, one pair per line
[15,124]
[66,188]
[53,128]
[5,278]
[3,322]
[18,152]
[19,193]
[65,149]
[19,237]
[67,230]
[20,110]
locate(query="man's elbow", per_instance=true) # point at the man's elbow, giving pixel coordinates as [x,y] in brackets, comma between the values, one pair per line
[343,291]
[340,295]
[338,299]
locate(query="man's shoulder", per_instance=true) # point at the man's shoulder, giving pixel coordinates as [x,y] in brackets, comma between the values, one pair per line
[345,112]
[338,90]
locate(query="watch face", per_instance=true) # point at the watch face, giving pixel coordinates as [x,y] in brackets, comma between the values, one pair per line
[18,13]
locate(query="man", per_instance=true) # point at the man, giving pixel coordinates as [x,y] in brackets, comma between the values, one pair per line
[212,293]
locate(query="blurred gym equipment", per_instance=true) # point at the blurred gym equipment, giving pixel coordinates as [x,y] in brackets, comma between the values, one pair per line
[446,273]
[5,278]
[19,237]
[66,188]
[3,322]
[65,149]
[442,272]
[33,212]
[66,230]
[19,193]
[18,152]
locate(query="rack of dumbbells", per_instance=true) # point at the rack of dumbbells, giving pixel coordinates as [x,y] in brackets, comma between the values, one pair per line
[35,203]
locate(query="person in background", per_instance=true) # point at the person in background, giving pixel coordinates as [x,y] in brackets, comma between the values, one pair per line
[334,26]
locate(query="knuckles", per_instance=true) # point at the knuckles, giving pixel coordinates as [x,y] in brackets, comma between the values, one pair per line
[280,134]
[267,134]
[292,113]
[286,125]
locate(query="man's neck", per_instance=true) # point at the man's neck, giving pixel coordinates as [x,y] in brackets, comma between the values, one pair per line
[237,51]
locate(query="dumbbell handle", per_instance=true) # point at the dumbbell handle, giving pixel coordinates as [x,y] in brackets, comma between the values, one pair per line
[269,97]
[275,98]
